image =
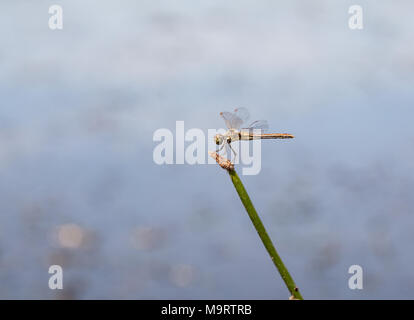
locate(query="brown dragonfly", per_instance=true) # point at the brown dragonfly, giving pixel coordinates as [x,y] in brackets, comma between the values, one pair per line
[234,121]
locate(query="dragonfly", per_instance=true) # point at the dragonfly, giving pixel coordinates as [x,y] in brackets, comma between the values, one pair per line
[234,121]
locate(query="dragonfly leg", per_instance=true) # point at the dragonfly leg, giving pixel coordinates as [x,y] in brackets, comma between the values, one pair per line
[235,154]
[221,148]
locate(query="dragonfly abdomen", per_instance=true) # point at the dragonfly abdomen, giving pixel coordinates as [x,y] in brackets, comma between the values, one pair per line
[270,136]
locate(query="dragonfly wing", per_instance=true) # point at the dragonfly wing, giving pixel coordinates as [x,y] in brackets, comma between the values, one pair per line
[259,125]
[235,119]
[236,123]
[228,119]
[242,113]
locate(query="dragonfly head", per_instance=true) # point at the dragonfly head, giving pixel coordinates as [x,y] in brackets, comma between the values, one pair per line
[219,139]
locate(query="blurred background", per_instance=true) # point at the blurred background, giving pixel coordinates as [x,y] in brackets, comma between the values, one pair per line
[79,187]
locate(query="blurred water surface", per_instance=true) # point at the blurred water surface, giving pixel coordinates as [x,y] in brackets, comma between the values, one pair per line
[79,187]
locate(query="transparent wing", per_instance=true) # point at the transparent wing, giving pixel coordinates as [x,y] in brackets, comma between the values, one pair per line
[258,124]
[234,120]
[228,117]
[242,113]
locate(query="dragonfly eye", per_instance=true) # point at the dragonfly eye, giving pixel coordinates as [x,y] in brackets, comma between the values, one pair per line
[219,139]
[228,140]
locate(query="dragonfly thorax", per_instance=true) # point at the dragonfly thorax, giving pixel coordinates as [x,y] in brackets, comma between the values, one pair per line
[232,135]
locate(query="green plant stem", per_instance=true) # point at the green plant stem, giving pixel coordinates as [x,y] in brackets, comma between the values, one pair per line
[244,197]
